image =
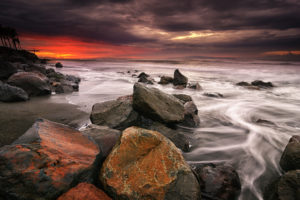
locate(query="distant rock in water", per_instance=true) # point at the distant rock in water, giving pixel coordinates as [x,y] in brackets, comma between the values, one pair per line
[10,93]
[217,181]
[6,70]
[165,80]
[243,83]
[84,191]
[49,157]
[143,74]
[179,79]
[260,83]
[146,165]
[214,95]
[195,86]
[35,84]
[58,65]
[147,80]
[290,159]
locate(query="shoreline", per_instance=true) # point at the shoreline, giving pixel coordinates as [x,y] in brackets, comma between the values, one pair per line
[17,118]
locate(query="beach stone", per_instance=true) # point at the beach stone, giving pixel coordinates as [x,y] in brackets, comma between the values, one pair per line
[58,65]
[143,74]
[214,95]
[147,80]
[263,84]
[179,78]
[35,84]
[157,105]
[191,118]
[218,181]
[46,161]
[10,93]
[290,159]
[105,137]
[6,70]
[195,86]
[165,80]
[146,165]
[84,191]
[183,97]
[116,114]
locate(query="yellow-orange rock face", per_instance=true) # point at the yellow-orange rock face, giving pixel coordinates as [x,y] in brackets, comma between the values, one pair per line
[84,191]
[45,161]
[146,165]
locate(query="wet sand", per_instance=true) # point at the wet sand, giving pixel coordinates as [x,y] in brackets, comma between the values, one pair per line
[16,118]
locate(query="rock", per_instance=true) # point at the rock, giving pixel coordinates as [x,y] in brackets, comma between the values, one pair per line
[146,165]
[264,122]
[84,191]
[214,95]
[46,161]
[165,80]
[35,68]
[105,137]
[6,70]
[179,87]
[183,97]
[58,65]
[49,71]
[35,84]
[195,86]
[146,80]
[262,84]
[62,88]
[72,78]
[218,181]
[117,114]
[126,97]
[289,186]
[10,93]
[243,83]
[179,79]
[191,118]
[143,74]
[55,76]
[290,159]
[157,105]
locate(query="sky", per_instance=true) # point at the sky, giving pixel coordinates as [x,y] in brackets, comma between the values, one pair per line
[156,29]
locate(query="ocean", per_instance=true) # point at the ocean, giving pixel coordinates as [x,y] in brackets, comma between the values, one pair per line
[248,129]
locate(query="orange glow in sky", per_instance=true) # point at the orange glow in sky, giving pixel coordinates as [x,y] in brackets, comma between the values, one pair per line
[70,48]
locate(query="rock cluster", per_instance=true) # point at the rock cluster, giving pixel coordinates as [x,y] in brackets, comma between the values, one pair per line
[256,85]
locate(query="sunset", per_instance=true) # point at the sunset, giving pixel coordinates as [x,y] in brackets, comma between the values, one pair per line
[149,99]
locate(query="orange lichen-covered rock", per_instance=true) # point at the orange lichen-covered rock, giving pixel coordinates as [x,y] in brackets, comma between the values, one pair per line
[146,165]
[84,191]
[45,162]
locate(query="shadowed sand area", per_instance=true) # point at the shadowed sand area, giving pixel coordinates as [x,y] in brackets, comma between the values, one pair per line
[16,118]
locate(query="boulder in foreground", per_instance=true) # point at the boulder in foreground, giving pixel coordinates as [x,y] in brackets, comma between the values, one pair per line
[10,93]
[84,191]
[157,105]
[290,159]
[35,84]
[45,162]
[146,165]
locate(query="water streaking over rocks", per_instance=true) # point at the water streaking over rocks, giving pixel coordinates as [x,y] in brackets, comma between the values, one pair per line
[247,128]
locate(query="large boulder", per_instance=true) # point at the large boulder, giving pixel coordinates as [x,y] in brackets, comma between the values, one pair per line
[105,137]
[218,181]
[46,161]
[290,159]
[6,70]
[157,105]
[179,79]
[146,165]
[84,191]
[10,93]
[165,80]
[191,118]
[35,84]
[117,114]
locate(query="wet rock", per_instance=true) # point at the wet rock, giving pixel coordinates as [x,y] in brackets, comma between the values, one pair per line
[243,83]
[262,84]
[217,181]
[58,65]
[55,76]
[143,74]
[289,186]
[62,88]
[195,86]
[179,79]
[179,87]
[264,122]
[34,84]
[117,114]
[146,165]
[10,93]
[191,118]
[214,95]
[6,70]
[105,137]
[247,85]
[290,159]
[165,80]
[84,191]
[147,80]
[157,105]
[183,97]
[72,78]
[126,97]
[46,161]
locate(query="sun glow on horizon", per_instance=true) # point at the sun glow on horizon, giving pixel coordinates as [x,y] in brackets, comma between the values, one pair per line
[192,35]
